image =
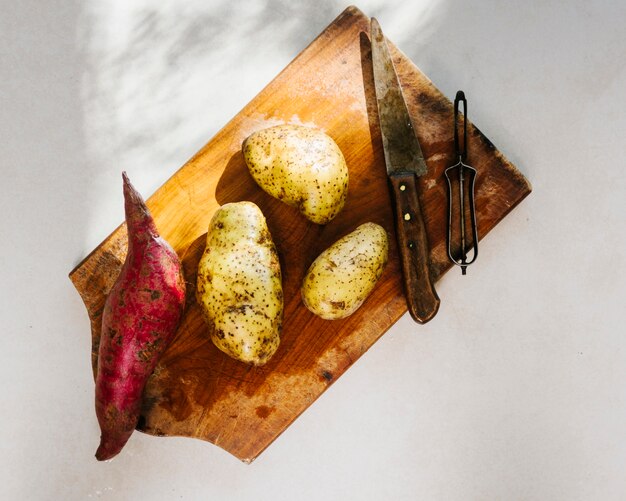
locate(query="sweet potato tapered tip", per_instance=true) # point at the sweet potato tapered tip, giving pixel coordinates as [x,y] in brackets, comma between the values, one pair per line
[108,449]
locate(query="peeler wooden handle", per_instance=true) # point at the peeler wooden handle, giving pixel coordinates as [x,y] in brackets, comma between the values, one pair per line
[421,297]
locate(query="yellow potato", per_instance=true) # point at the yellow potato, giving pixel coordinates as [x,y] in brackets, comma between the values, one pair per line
[301,166]
[239,284]
[342,276]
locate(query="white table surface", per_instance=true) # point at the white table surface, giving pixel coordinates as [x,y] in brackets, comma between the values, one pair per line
[516,390]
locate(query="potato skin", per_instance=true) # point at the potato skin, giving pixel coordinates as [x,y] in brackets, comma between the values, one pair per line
[342,276]
[301,166]
[139,321]
[239,284]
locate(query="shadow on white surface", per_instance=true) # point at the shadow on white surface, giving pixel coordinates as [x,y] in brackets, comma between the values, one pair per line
[163,78]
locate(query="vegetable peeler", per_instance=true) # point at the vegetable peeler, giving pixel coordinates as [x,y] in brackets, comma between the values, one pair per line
[461,176]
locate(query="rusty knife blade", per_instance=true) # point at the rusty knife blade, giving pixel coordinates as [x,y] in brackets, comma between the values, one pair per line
[402,149]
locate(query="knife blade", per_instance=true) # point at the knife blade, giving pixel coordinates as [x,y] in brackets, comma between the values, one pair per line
[405,162]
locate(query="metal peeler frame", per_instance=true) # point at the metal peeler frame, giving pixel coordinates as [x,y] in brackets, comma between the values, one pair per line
[463,169]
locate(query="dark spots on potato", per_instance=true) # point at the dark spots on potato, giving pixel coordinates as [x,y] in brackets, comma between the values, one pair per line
[239,297]
[154,295]
[219,225]
[330,264]
[262,314]
[342,277]
[264,238]
[240,310]
[284,160]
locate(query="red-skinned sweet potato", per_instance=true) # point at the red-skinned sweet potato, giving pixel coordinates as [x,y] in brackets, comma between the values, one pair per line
[139,320]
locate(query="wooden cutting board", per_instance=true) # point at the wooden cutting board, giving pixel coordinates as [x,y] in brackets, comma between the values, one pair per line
[196,390]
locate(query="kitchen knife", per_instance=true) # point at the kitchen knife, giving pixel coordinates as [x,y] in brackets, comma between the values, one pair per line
[405,162]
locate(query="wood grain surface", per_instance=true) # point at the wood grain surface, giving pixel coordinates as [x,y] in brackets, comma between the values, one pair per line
[196,390]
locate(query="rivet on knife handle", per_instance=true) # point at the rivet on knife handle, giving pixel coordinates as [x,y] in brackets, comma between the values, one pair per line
[422,299]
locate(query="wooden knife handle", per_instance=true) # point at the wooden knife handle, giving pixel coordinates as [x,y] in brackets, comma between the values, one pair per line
[421,297]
